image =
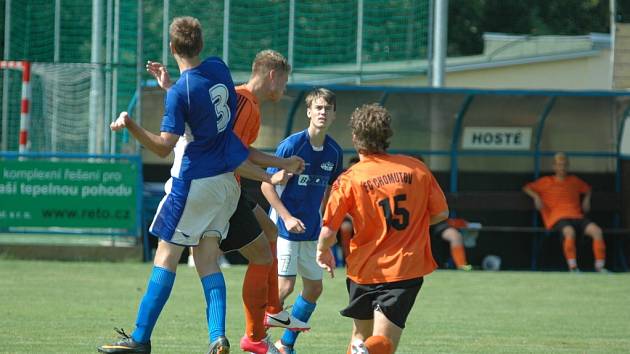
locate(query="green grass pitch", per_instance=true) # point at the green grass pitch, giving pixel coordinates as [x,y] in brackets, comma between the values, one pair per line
[55,307]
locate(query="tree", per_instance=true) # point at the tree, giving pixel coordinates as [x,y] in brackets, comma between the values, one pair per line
[469,19]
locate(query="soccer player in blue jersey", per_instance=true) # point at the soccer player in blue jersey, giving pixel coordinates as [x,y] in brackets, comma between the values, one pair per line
[296,207]
[202,192]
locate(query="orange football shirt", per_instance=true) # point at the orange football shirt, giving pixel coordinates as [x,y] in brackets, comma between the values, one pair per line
[390,199]
[247,122]
[561,198]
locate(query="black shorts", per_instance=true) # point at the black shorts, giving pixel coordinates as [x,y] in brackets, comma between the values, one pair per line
[437,229]
[244,227]
[578,224]
[394,300]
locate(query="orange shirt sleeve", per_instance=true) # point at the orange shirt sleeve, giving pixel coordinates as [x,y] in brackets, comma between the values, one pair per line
[247,122]
[536,186]
[340,202]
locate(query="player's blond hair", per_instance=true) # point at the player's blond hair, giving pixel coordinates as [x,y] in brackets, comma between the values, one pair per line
[371,130]
[326,94]
[186,37]
[267,60]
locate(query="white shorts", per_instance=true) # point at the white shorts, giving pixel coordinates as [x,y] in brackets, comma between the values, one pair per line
[298,257]
[196,208]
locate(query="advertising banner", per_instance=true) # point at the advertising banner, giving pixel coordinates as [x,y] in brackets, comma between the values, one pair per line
[38,193]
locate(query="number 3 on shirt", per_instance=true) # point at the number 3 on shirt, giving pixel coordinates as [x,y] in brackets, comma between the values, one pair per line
[400,218]
[219,95]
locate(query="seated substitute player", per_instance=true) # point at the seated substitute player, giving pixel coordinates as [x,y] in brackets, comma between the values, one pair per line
[202,192]
[557,197]
[296,207]
[392,200]
[252,233]
[448,231]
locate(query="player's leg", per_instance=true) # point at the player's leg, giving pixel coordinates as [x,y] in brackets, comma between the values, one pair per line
[305,303]
[220,197]
[456,242]
[392,304]
[155,297]
[171,216]
[567,231]
[599,247]
[206,257]
[271,233]
[361,330]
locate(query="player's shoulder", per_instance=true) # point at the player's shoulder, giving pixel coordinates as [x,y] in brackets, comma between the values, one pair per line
[294,138]
[245,95]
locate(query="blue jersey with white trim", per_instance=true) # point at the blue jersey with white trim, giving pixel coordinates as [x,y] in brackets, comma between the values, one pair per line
[201,108]
[303,194]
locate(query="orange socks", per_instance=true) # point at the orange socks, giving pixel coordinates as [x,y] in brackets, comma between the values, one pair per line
[377,345]
[459,256]
[273,300]
[255,300]
[568,246]
[599,250]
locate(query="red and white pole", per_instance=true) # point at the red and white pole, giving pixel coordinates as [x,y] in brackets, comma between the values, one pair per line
[25,106]
[25,111]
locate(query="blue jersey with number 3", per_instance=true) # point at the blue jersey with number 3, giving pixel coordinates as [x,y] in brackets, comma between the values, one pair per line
[201,108]
[303,194]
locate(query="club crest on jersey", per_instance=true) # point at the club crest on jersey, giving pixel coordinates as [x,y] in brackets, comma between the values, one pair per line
[327,166]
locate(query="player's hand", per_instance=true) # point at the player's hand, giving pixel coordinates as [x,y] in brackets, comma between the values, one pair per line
[294,225]
[294,164]
[159,72]
[326,260]
[280,177]
[538,203]
[121,122]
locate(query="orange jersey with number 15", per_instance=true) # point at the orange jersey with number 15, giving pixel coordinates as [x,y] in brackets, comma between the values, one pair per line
[391,199]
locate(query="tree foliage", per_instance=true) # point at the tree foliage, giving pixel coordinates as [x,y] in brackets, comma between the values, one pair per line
[469,19]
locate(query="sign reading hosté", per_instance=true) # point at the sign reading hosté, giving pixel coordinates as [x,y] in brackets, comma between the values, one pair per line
[497,138]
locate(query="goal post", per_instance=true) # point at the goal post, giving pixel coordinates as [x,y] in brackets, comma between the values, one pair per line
[25,101]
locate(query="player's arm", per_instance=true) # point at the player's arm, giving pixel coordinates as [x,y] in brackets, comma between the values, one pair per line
[293,164]
[291,223]
[162,144]
[535,196]
[586,202]
[325,259]
[249,170]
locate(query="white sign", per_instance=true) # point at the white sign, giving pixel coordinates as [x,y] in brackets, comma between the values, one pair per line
[497,138]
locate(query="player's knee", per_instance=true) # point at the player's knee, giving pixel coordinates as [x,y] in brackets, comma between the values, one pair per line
[258,252]
[313,291]
[594,231]
[568,231]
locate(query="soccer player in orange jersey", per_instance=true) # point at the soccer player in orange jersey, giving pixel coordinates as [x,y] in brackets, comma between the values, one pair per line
[392,200]
[557,197]
[251,232]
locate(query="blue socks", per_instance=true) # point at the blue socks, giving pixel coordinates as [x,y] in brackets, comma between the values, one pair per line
[158,291]
[214,290]
[302,310]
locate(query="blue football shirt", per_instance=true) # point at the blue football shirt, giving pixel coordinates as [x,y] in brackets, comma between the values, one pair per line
[201,108]
[303,194]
